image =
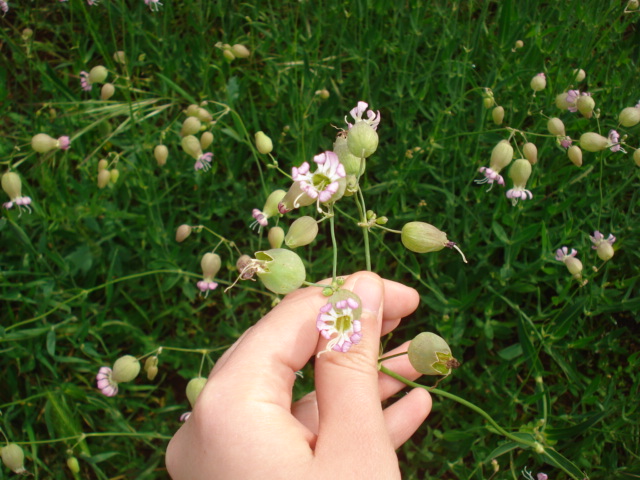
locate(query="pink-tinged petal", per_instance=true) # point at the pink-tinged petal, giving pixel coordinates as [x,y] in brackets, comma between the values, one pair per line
[185,416]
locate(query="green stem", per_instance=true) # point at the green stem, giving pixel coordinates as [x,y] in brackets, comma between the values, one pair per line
[334,243]
[365,229]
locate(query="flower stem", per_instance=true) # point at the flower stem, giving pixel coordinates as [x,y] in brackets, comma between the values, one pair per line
[365,229]
[334,244]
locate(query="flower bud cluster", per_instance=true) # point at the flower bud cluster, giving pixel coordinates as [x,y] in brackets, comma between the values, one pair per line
[106,176]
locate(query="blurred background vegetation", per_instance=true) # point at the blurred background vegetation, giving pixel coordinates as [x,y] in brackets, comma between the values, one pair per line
[93,274]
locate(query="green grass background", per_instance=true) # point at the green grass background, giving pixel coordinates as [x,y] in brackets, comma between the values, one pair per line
[534,346]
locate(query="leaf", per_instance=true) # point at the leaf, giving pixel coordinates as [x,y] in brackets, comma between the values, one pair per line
[557,460]
[51,342]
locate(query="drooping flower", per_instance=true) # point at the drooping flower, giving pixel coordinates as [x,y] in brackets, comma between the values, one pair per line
[538,82]
[4,6]
[323,183]
[153,4]
[565,142]
[603,246]
[191,146]
[571,99]
[84,81]
[203,162]
[210,267]
[43,143]
[563,253]
[339,322]
[12,185]
[105,382]
[519,173]
[269,209]
[501,156]
[373,118]
[614,141]
[568,257]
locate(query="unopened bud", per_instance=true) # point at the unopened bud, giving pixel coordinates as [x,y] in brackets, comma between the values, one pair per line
[13,458]
[183,232]
[381,220]
[192,110]
[636,156]
[27,33]
[575,155]
[519,44]
[352,164]
[633,5]
[580,74]
[98,74]
[430,354]
[206,139]
[629,117]
[120,57]
[210,264]
[323,94]
[263,143]
[73,465]
[530,152]
[104,177]
[190,126]
[362,140]
[125,369]
[114,174]
[302,232]
[151,367]
[43,143]
[498,115]
[586,104]
[539,82]
[161,152]
[204,116]
[12,185]
[194,389]
[281,271]
[107,91]
[228,55]
[556,127]
[275,237]
[240,51]
[593,142]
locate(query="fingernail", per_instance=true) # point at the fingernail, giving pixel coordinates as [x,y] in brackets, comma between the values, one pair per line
[369,289]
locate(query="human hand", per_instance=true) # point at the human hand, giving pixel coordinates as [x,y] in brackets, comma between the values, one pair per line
[244,425]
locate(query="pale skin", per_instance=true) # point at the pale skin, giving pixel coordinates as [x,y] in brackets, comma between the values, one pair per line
[244,425]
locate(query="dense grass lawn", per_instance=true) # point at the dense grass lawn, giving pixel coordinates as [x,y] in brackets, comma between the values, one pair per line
[91,270]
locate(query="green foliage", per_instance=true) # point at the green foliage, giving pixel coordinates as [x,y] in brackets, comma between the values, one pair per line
[93,274]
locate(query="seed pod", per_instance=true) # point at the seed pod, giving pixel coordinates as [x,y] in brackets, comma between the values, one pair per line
[421,237]
[73,465]
[498,115]
[98,74]
[114,174]
[501,156]
[575,155]
[605,251]
[191,146]
[120,57]
[194,389]
[161,152]
[430,354]
[43,143]
[556,127]
[629,116]
[362,140]
[275,237]
[539,82]
[530,152]
[13,458]
[586,104]
[12,185]
[263,143]
[190,126]
[182,233]
[580,74]
[210,264]
[206,139]
[281,271]
[107,91]
[104,177]
[561,101]
[593,142]
[574,266]
[302,232]
[636,156]
[240,51]
[204,116]
[125,369]
[151,367]
[351,163]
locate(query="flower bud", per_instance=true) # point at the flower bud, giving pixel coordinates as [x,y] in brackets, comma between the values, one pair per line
[421,237]
[120,57]
[281,271]
[539,82]
[574,266]
[13,458]
[270,207]
[294,198]
[12,185]
[102,164]
[228,55]
[350,162]
[323,94]
[43,143]
[210,264]
[636,156]
[580,74]
[362,140]
[204,116]
[633,5]
[27,33]
[520,172]
[240,51]
[114,174]
[275,237]
[194,388]
[593,142]
[605,251]
[151,367]
[519,44]
[498,115]
[191,146]
[530,152]
[104,177]
[586,104]
[182,233]
[501,155]
[192,110]
[125,369]
[190,126]
[561,101]
[161,152]
[556,127]
[488,102]
[263,143]
[73,465]
[206,139]
[430,354]
[302,232]
[629,116]
[575,155]
[107,91]
[98,74]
